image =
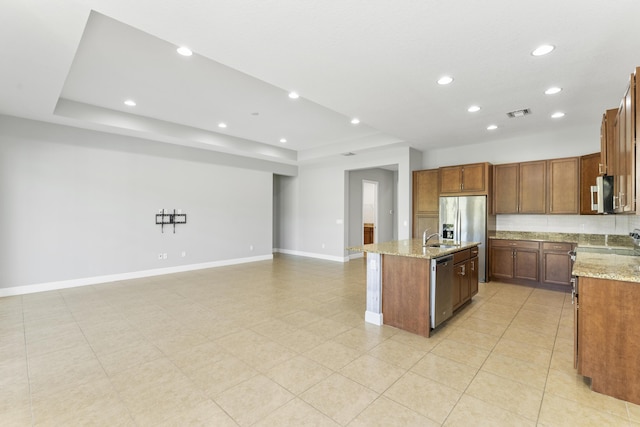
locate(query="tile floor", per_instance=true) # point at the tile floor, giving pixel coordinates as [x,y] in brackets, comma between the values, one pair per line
[284,343]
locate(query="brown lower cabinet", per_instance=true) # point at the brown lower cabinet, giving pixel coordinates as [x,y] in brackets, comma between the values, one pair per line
[606,344]
[465,276]
[530,262]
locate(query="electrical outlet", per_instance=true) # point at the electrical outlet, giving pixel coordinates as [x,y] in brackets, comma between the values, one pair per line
[323,246]
[251,248]
[159,256]
[164,255]
[184,254]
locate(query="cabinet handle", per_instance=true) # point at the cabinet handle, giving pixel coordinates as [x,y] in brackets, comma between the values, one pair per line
[462,270]
[601,169]
[473,266]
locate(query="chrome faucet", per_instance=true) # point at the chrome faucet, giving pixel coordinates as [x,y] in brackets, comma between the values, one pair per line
[425,238]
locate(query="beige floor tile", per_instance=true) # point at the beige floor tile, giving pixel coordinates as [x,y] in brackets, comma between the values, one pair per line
[172,344]
[513,396]
[562,357]
[445,371]
[418,342]
[523,351]
[296,413]
[460,352]
[372,373]
[634,412]
[221,375]
[530,336]
[129,357]
[479,339]
[298,374]
[333,355]
[470,411]
[301,318]
[202,413]
[191,359]
[327,328]
[359,339]
[396,353]
[385,412]
[339,398]
[574,387]
[273,328]
[252,400]
[557,411]
[485,326]
[300,340]
[424,396]
[536,319]
[526,373]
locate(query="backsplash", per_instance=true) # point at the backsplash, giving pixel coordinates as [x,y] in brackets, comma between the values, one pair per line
[589,224]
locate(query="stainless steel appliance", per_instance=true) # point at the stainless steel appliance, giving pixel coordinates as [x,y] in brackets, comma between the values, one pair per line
[441,287]
[464,219]
[602,195]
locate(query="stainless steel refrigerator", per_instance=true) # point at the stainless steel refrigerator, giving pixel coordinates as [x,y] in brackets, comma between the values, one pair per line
[464,219]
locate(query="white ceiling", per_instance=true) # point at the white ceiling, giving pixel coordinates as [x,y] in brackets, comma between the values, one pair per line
[75,62]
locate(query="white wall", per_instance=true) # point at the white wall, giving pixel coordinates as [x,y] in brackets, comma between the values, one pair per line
[77,204]
[386,207]
[319,202]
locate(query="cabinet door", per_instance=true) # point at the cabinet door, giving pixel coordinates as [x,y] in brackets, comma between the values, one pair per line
[451,179]
[425,222]
[505,188]
[526,264]
[619,183]
[425,191]
[532,187]
[501,263]
[563,186]
[460,283]
[474,177]
[610,143]
[556,268]
[627,200]
[473,276]
[589,171]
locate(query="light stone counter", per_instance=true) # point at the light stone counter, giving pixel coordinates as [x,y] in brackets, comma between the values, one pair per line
[413,248]
[602,265]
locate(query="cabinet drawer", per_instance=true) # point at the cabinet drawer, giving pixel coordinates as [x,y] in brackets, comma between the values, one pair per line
[461,256]
[519,244]
[553,246]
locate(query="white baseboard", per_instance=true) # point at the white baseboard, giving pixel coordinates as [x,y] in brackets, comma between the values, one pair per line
[357,255]
[374,318]
[312,255]
[85,281]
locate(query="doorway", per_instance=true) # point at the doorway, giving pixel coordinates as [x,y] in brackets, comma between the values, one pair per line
[369,212]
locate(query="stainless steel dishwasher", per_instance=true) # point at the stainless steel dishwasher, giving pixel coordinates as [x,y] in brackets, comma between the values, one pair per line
[441,298]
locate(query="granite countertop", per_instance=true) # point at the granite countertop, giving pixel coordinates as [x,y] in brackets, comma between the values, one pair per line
[581,239]
[601,256]
[603,265]
[413,248]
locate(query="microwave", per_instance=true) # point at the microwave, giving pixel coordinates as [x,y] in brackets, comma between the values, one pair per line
[602,195]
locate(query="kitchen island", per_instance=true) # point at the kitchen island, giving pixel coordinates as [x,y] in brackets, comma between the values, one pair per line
[399,280]
[607,321]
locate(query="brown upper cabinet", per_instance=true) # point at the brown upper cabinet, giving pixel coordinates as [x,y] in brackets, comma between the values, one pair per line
[544,186]
[590,167]
[520,188]
[607,143]
[425,201]
[465,179]
[624,141]
[564,186]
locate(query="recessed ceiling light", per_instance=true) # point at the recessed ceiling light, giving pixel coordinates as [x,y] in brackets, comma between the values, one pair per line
[130,102]
[283,140]
[553,90]
[557,115]
[543,50]
[294,95]
[355,121]
[184,51]
[473,109]
[445,80]
[222,125]
[492,127]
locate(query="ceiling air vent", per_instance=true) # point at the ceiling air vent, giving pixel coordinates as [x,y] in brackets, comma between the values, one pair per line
[519,113]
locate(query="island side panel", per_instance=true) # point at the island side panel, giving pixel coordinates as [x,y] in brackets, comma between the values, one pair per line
[609,327]
[405,293]
[374,289]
